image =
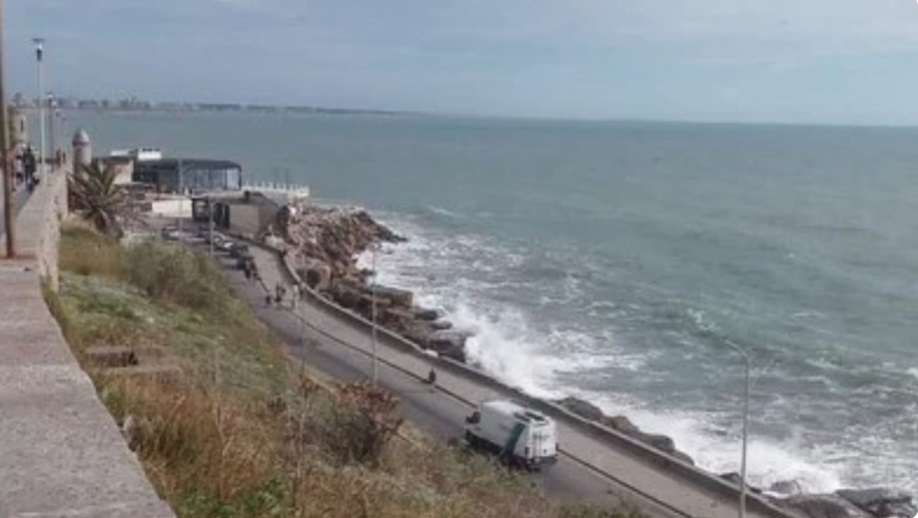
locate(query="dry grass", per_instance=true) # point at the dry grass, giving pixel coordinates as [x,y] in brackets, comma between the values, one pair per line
[245,433]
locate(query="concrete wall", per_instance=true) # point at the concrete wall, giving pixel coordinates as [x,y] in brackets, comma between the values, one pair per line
[61,453]
[39,223]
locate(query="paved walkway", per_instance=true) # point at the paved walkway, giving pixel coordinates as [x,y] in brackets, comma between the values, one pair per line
[61,454]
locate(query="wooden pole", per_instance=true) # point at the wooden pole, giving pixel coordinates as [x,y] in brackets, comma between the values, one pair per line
[9,209]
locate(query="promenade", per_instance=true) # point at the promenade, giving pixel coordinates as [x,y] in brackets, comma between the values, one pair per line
[586,460]
[61,453]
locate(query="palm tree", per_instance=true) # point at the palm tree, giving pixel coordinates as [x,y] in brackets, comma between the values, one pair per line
[95,195]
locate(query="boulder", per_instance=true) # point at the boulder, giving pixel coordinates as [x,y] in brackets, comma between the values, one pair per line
[624,425]
[881,502]
[441,325]
[426,314]
[823,506]
[316,273]
[582,408]
[448,343]
[786,488]
[394,296]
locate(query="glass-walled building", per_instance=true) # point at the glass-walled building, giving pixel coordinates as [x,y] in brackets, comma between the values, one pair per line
[189,175]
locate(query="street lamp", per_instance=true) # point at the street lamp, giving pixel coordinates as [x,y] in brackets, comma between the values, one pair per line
[52,109]
[742,506]
[373,249]
[39,55]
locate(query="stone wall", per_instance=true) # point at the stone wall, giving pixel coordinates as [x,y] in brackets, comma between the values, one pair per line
[39,223]
[61,452]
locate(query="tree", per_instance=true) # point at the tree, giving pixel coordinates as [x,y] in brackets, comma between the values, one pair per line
[96,196]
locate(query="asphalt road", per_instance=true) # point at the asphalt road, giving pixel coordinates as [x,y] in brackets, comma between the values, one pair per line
[589,468]
[428,409]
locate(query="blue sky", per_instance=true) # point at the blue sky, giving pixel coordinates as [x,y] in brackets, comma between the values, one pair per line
[822,61]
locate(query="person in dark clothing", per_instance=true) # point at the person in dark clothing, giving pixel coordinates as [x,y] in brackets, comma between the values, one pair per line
[29,165]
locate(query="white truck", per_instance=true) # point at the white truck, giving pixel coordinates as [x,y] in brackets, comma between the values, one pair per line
[516,434]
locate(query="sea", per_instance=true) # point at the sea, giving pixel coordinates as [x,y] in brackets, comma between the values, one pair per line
[625,262]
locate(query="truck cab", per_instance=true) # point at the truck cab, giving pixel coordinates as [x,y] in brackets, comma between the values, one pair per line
[516,434]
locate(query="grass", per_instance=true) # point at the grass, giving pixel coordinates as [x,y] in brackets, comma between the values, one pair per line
[244,432]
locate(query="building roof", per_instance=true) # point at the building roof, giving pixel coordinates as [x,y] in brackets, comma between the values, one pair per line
[80,137]
[190,163]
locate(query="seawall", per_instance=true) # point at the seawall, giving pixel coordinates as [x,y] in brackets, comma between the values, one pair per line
[61,453]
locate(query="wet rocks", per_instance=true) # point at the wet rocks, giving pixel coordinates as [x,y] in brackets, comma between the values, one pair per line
[624,425]
[881,502]
[853,503]
[323,245]
[823,506]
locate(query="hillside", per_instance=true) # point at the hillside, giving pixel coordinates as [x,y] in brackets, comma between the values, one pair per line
[226,424]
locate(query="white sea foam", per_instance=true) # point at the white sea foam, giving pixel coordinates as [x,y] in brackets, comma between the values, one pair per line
[539,357]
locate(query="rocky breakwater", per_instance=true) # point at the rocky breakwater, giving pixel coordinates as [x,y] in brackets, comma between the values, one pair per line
[323,244]
[624,425]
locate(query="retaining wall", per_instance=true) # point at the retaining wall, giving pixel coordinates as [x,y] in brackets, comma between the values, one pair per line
[61,453]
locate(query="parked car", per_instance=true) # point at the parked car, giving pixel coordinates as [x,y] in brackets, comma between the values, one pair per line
[517,434]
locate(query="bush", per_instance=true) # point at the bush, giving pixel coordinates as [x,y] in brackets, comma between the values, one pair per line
[355,428]
[176,274]
[84,251]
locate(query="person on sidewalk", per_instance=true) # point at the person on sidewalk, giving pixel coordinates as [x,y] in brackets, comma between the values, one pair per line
[295,296]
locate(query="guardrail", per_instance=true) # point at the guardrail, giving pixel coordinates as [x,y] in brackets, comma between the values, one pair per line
[295,190]
[699,477]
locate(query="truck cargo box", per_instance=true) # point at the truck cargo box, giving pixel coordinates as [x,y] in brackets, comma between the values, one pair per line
[516,434]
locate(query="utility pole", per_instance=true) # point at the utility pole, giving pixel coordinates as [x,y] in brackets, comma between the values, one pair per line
[373,311]
[40,98]
[9,212]
[210,216]
[52,141]
[743,485]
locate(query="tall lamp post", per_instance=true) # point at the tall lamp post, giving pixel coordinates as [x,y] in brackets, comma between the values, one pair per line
[745,355]
[52,110]
[39,55]
[8,210]
[373,249]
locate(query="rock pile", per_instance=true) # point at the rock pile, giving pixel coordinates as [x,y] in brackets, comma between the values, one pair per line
[854,503]
[624,425]
[323,245]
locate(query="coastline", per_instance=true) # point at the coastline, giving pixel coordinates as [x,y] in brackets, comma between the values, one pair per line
[324,244]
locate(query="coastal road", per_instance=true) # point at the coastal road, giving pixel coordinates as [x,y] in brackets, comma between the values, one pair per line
[427,409]
[589,467]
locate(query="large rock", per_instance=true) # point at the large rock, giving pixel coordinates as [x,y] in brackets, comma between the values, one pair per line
[426,314]
[786,488]
[393,296]
[823,506]
[316,274]
[448,343]
[624,425]
[881,502]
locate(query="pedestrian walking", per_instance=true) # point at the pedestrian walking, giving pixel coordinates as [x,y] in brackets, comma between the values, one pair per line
[295,296]
[29,165]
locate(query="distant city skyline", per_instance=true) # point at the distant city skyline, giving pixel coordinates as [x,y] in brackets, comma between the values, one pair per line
[820,61]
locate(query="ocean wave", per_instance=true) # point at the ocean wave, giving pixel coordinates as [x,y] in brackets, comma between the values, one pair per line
[467,276]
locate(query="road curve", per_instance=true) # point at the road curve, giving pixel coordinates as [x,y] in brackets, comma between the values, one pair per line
[589,469]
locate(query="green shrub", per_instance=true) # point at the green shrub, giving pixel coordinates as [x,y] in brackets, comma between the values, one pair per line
[175,274]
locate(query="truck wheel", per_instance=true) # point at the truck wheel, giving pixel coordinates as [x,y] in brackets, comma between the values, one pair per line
[470,439]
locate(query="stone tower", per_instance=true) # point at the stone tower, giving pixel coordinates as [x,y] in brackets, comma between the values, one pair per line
[18,129]
[82,150]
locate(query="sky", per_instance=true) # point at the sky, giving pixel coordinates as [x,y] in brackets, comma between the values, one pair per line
[792,61]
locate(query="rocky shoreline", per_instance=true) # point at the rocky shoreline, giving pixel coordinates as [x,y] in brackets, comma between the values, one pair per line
[323,244]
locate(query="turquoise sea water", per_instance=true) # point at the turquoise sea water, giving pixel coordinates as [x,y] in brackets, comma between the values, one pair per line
[614,261]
